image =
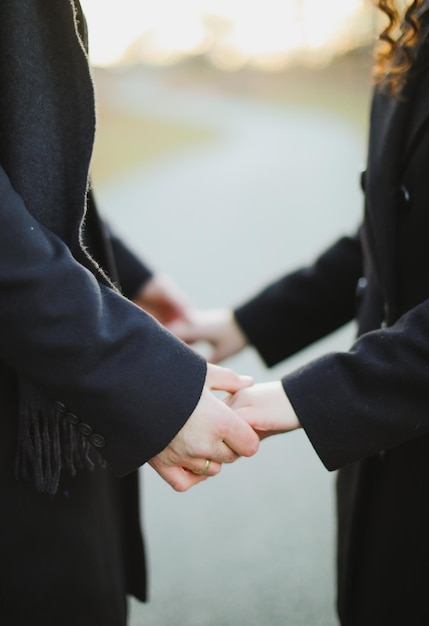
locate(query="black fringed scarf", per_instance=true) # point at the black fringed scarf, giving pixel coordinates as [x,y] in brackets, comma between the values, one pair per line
[47,443]
[47,126]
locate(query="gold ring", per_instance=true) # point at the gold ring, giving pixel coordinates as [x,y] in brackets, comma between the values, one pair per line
[205,468]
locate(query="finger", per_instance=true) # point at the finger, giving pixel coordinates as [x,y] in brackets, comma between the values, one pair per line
[201,468]
[222,453]
[178,478]
[228,400]
[221,378]
[233,437]
[181,479]
[256,420]
[241,403]
[215,449]
[249,415]
[241,438]
[230,436]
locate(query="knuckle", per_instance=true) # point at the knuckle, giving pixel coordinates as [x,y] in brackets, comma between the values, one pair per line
[230,456]
[253,447]
[224,426]
[195,447]
[201,450]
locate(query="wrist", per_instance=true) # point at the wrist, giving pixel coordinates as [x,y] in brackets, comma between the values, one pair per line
[291,418]
[235,333]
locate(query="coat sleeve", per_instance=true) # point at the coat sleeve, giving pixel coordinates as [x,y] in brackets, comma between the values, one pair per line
[86,346]
[372,398]
[306,305]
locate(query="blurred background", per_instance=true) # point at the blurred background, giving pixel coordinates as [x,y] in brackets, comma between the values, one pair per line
[230,140]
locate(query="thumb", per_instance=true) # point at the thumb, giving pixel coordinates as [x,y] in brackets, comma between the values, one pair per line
[224,379]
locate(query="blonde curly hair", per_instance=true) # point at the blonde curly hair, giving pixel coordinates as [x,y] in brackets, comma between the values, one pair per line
[395,48]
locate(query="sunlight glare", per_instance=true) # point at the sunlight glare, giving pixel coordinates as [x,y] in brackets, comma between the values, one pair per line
[238,32]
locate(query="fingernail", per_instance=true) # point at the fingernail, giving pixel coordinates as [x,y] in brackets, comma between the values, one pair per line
[246,379]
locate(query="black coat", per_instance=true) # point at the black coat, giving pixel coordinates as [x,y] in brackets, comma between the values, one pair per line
[112,372]
[367,411]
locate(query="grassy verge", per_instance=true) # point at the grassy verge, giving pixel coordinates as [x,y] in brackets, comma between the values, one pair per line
[126,141]
[342,86]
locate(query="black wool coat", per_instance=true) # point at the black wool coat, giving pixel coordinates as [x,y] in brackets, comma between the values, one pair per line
[366,411]
[111,373]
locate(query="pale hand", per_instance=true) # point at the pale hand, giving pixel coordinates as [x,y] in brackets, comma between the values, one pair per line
[217,327]
[212,432]
[266,408]
[161,297]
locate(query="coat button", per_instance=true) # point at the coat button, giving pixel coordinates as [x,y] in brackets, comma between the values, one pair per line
[360,287]
[85,429]
[97,440]
[71,418]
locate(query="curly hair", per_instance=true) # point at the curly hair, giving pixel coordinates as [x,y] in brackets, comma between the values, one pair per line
[395,49]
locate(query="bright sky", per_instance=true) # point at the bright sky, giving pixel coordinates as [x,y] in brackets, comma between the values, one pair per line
[235,31]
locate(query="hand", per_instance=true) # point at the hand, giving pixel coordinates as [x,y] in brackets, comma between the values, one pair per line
[266,408]
[213,432]
[160,297]
[218,327]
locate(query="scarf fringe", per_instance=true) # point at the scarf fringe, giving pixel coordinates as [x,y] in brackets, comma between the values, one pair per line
[47,443]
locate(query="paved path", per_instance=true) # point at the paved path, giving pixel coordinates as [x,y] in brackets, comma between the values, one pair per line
[255,545]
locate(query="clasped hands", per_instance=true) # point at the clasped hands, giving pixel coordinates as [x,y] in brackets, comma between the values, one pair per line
[220,432]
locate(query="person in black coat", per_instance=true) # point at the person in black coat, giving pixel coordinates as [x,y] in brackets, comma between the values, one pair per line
[91,387]
[365,411]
